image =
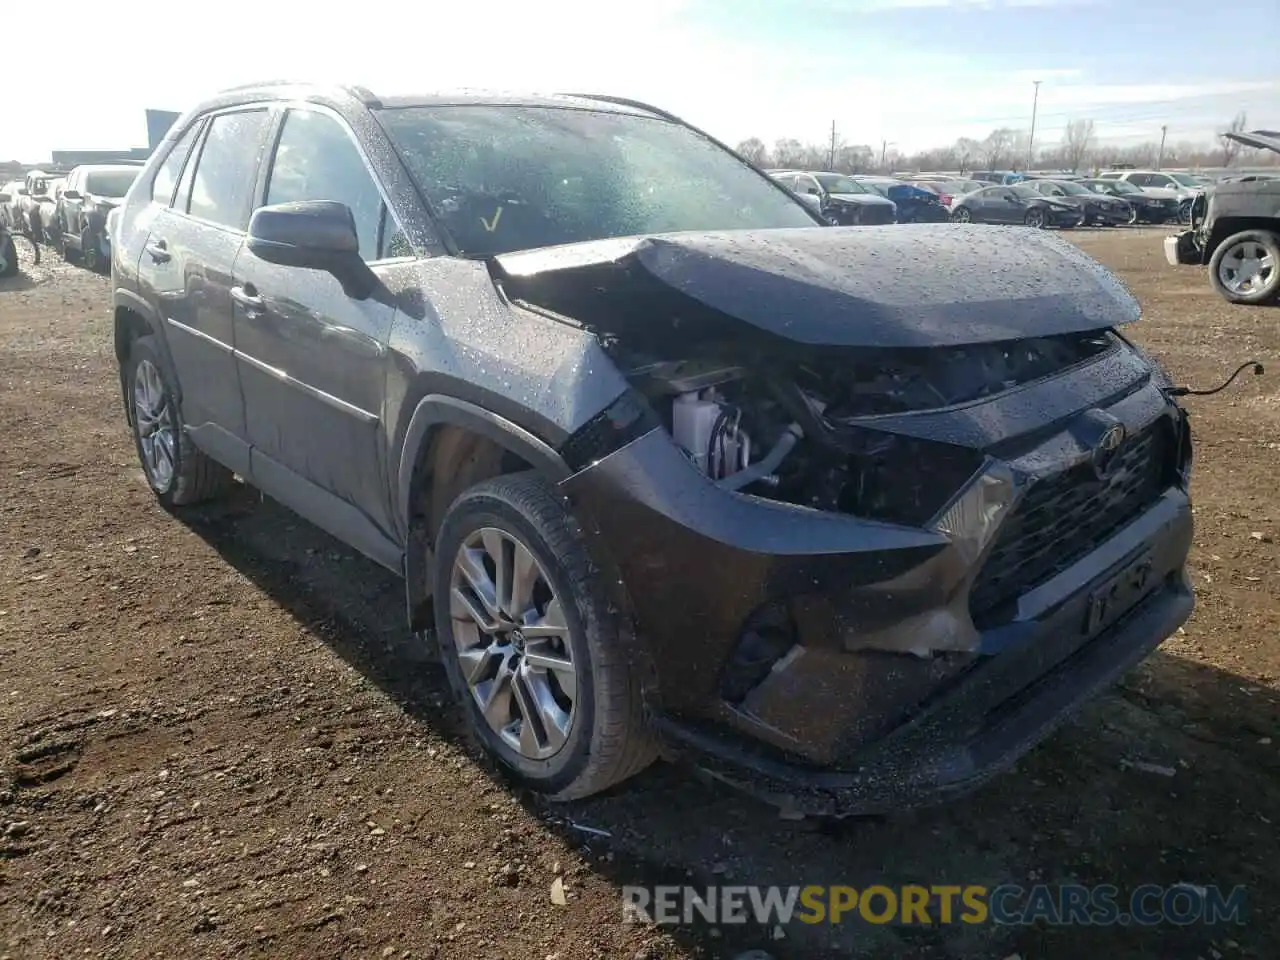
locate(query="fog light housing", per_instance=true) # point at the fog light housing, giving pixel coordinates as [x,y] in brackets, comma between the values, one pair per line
[970,520]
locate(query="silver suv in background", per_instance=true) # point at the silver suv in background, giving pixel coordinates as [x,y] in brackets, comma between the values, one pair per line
[1177,190]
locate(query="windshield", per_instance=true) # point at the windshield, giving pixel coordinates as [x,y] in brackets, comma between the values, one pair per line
[1185,179]
[506,178]
[1071,189]
[1120,187]
[110,183]
[834,183]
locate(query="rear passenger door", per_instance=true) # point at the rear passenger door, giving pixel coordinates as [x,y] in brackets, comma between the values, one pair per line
[312,360]
[187,262]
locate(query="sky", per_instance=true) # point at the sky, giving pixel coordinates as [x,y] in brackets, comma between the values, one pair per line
[912,73]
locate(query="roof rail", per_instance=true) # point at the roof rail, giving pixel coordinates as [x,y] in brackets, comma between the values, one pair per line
[628,102]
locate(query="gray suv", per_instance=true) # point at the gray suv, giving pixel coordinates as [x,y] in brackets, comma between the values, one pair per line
[666,463]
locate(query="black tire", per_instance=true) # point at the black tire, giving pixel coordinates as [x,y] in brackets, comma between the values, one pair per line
[1269,288]
[1036,219]
[1133,219]
[1184,212]
[8,256]
[195,477]
[607,741]
[89,255]
[962,215]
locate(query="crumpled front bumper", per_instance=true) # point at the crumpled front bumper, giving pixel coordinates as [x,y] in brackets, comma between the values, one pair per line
[1180,249]
[995,709]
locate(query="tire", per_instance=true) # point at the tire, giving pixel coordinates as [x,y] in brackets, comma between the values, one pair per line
[1036,219]
[606,740]
[191,477]
[1184,212]
[89,255]
[8,256]
[1247,250]
[962,215]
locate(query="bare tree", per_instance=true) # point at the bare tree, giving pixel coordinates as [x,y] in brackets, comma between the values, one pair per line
[854,158]
[1077,143]
[997,148]
[789,152]
[967,150]
[1231,148]
[754,150]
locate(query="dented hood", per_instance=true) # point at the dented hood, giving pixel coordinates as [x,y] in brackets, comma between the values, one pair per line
[908,285]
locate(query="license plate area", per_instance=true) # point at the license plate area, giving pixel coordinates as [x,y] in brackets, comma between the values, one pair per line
[1118,595]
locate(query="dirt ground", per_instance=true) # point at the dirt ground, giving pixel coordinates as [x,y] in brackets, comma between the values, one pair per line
[217,739]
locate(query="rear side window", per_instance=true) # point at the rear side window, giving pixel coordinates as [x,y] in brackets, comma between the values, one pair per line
[227,168]
[166,177]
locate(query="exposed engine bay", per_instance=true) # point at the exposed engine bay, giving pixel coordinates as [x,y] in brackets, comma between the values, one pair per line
[804,430]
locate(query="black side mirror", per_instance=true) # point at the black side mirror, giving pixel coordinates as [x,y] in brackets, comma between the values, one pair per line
[312,235]
[72,194]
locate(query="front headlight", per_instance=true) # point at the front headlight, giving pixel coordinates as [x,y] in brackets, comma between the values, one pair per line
[973,517]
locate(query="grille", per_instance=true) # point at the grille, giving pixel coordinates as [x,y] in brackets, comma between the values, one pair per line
[873,214]
[1063,517]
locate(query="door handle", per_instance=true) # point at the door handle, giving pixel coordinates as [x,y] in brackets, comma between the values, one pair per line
[159,251]
[248,298]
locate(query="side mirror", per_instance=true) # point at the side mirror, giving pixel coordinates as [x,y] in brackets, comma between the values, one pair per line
[72,194]
[813,191]
[312,235]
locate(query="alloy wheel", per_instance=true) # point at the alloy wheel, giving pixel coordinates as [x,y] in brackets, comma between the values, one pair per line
[155,423]
[963,215]
[1035,219]
[513,643]
[1246,267]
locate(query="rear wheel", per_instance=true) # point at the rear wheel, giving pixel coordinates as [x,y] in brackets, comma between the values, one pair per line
[1245,268]
[1036,219]
[177,472]
[531,644]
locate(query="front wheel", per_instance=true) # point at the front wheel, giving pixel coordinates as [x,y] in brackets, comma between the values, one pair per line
[8,256]
[1036,219]
[1184,212]
[1132,218]
[531,645]
[177,472]
[1245,268]
[962,215]
[89,255]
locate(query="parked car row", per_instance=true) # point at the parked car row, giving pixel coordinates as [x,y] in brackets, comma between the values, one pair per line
[68,213]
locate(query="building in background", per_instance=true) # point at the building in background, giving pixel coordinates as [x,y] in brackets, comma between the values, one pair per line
[158,124]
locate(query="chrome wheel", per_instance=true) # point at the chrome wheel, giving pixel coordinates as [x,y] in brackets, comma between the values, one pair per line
[962,216]
[1036,219]
[513,643]
[1246,267]
[155,423]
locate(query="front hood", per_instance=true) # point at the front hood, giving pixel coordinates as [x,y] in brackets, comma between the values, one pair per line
[860,199]
[909,285]
[1258,139]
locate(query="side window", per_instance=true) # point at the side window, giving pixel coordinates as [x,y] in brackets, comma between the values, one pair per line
[1155,180]
[392,241]
[315,159]
[166,177]
[1140,179]
[227,168]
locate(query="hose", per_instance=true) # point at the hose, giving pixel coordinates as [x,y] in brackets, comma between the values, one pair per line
[766,464]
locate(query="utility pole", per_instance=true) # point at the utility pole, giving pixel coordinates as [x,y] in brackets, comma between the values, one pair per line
[884,152]
[1164,129]
[1031,140]
[831,163]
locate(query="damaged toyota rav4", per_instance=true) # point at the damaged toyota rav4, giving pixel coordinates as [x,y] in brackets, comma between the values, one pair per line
[850,518]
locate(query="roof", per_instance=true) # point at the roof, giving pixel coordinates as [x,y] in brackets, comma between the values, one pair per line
[290,89]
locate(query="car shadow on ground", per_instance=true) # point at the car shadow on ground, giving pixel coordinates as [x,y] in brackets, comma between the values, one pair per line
[1174,778]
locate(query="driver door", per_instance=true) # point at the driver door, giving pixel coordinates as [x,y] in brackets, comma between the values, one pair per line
[312,360]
